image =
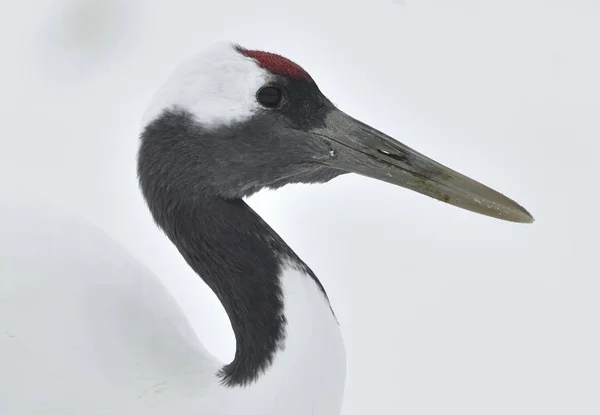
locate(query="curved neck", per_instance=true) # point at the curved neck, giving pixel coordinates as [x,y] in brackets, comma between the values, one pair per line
[238,257]
[261,283]
[289,349]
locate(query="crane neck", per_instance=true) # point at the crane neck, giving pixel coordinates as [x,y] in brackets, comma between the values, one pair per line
[243,261]
[288,342]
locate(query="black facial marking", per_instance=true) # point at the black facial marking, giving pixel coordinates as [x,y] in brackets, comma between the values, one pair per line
[304,104]
[234,161]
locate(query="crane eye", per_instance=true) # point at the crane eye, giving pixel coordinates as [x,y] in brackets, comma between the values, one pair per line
[269,96]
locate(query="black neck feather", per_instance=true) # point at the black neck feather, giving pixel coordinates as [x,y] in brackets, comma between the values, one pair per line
[234,251]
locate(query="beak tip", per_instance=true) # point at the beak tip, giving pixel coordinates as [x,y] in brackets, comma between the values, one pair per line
[527,219]
[522,216]
[530,218]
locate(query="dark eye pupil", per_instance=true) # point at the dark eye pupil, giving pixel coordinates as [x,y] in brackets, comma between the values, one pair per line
[269,96]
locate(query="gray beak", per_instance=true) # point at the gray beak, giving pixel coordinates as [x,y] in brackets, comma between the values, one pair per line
[358,148]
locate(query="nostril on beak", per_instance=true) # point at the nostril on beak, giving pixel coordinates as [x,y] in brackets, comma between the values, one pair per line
[398,157]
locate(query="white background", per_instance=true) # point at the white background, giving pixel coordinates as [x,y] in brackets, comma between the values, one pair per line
[443,311]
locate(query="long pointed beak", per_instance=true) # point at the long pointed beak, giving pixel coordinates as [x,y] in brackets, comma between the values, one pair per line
[359,148]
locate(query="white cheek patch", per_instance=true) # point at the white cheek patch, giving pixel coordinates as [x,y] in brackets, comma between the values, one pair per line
[218,86]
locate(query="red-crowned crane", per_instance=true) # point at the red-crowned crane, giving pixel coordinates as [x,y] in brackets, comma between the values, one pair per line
[85,329]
